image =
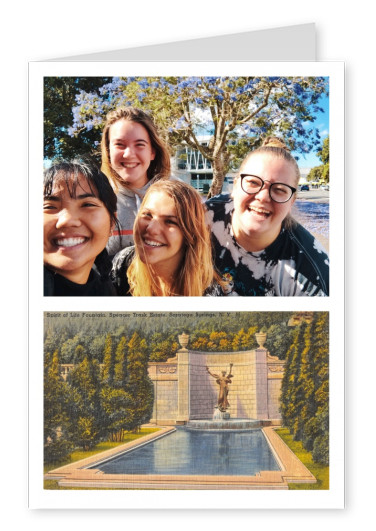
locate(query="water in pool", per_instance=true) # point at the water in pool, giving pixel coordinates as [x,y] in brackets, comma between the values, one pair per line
[197,453]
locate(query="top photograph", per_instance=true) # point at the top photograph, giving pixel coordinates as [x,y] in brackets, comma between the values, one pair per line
[186,186]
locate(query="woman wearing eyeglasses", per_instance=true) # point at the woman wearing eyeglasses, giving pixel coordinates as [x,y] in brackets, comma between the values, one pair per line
[260,249]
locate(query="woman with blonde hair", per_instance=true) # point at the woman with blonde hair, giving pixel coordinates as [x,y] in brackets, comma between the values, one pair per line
[134,156]
[172,253]
[259,248]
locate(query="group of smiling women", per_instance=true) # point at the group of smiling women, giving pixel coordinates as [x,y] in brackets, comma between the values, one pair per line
[132,229]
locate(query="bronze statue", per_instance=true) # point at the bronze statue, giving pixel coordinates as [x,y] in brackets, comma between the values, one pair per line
[223,382]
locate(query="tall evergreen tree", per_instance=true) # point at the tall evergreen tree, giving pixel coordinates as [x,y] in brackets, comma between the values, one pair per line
[303,396]
[139,385]
[290,378]
[79,354]
[57,443]
[305,387]
[86,412]
[120,367]
[317,430]
[108,361]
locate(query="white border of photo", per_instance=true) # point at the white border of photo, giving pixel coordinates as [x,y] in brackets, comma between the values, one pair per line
[334,497]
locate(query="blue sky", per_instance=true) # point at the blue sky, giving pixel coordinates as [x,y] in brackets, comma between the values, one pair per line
[322,123]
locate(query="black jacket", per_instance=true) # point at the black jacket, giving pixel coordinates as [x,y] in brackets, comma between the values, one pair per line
[59,286]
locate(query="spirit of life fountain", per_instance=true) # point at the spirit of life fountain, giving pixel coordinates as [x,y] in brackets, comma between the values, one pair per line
[249,371]
[223,380]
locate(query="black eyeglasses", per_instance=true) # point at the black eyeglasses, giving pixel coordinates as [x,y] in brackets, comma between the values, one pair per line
[278,192]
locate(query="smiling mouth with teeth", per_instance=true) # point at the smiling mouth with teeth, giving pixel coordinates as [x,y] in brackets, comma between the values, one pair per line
[153,244]
[130,164]
[259,211]
[69,242]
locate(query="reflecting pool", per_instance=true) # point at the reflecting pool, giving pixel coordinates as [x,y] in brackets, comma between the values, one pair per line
[197,453]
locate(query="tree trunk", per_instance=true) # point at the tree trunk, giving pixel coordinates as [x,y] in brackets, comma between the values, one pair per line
[220,168]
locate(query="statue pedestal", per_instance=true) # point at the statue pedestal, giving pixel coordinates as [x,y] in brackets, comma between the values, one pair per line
[220,415]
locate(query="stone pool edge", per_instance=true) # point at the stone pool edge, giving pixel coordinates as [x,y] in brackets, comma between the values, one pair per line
[78,475]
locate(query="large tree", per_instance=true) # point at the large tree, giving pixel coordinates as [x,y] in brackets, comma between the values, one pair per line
[59,98]
[305,387]
[108,361]
[321,173]
[57,442]
[86,415]
[139,385]
[235,112]
[118,412]
[317,429]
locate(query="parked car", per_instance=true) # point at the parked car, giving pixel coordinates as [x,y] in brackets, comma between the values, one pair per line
[304,188]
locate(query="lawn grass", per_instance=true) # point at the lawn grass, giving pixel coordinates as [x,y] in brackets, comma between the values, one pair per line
[321,472]
[77,455]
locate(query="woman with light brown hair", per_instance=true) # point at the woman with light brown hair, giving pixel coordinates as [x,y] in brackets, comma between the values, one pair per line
[172,253]
[134,156]
[259,248]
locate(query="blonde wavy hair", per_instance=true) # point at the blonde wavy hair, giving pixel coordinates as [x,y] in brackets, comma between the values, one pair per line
[159,168]
[196,272]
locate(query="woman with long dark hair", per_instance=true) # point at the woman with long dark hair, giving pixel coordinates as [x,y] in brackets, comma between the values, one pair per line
[79,214]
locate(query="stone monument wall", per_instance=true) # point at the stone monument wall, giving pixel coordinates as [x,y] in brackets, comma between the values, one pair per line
[184,390]
[204,389]
[165,381]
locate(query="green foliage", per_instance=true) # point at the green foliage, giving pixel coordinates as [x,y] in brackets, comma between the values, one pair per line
[320,450]
[97,347]
[87,408]
[57,443]
[318,429]
[162,349]
[68,349]
[160,334]
[108,361]
[120,367]
[323,153]
[139,385]
[290,397]
[305,387]
[315,174]
[321,173]
[279,339]
[52,341]
[86,412]
[59,98]
[79,354]
[118,408]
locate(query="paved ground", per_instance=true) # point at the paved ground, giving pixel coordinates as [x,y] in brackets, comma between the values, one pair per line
[311,209]
[316,196]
